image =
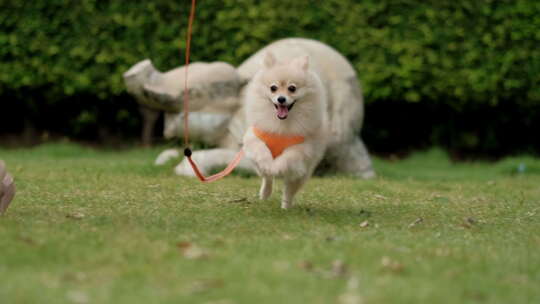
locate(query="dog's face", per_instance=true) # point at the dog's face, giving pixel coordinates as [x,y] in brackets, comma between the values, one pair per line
[284,84]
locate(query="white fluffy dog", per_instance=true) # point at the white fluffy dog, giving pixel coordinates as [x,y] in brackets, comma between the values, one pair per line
[285,106]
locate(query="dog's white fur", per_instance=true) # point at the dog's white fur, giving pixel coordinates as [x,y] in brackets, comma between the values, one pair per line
[308,118]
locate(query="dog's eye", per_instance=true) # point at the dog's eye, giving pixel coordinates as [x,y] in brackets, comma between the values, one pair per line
[291,88]
[273,88]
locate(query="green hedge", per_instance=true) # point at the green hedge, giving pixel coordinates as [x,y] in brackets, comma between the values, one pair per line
[457,53]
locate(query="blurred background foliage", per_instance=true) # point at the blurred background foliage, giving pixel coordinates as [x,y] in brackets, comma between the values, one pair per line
[461,74]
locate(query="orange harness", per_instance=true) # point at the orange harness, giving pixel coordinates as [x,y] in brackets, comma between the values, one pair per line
[277,143]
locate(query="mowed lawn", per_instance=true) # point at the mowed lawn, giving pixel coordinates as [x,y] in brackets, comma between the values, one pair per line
[91,226]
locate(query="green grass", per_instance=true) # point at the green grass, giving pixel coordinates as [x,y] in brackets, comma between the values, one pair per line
[93,226]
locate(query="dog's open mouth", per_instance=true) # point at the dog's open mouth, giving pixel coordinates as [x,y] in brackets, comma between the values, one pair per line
[283,111]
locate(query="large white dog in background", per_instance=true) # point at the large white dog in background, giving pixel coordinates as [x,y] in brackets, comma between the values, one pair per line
[218,116]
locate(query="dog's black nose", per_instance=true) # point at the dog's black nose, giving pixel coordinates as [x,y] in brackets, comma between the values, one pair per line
[281,99]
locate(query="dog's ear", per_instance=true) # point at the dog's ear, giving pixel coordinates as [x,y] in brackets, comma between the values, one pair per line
[301,62]
[269,60]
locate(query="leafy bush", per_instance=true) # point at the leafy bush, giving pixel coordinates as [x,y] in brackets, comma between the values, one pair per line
[460,54]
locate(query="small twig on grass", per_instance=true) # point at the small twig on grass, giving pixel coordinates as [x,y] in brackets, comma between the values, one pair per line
[239,200]
[416,222]
[191,251]
[391,265]
[75,216]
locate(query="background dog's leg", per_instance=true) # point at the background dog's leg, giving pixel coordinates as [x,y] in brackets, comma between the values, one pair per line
[351,158]
[346,151]
[266,187]
[291,187]
[346,110]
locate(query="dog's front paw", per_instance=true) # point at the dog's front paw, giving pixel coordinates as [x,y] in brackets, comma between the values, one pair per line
[286,204]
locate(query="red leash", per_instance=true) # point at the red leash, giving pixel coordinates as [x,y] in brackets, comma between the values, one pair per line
[188,53]
[187,151]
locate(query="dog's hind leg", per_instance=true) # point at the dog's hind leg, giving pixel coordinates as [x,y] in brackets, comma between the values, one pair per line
[291,187]
[266,187]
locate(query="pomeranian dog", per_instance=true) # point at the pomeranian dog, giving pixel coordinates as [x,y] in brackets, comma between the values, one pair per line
[285,106]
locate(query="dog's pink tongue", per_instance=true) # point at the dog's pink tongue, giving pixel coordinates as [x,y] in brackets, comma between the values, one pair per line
[282,112]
